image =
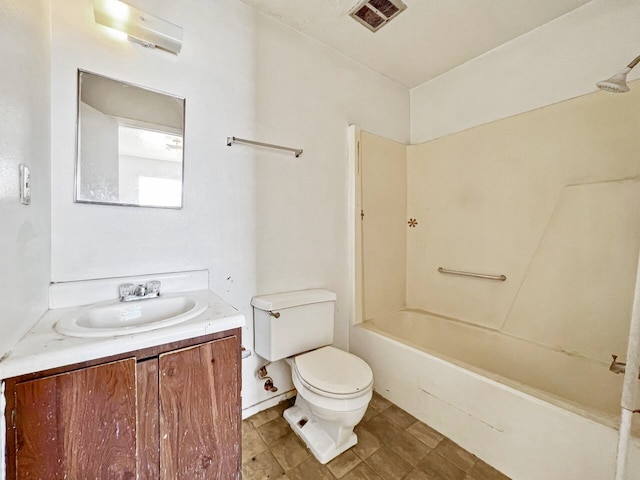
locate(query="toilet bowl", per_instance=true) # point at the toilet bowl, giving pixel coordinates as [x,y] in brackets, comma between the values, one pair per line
[334,387]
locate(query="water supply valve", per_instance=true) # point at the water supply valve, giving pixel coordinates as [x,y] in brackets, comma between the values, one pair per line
[262,374]
[269,386]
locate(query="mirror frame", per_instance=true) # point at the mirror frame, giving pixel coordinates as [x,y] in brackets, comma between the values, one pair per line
[76,181]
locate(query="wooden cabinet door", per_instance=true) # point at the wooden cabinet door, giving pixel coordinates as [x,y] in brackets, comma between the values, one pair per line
[78,425]
[200,412]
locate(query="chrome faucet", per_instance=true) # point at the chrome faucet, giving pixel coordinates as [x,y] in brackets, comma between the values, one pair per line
[140,291]
[130,292]
[619,367]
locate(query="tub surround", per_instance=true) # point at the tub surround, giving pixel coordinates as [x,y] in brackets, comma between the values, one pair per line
[384,226]
[542,198]
[44,348]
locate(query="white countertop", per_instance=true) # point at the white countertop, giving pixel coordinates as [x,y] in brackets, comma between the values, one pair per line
[44,348]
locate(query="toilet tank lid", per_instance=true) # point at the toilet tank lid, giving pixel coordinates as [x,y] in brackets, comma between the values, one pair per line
[277,301]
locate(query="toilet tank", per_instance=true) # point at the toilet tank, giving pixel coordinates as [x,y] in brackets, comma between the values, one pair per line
[289,323]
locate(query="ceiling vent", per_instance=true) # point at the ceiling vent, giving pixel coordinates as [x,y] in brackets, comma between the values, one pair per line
[375,14]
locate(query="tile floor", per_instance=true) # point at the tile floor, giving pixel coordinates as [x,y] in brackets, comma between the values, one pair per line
[392,445]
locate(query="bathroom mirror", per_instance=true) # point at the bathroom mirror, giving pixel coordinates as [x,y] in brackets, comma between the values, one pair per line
[129,144]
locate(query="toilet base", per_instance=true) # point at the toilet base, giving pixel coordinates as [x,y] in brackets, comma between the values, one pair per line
[315,438]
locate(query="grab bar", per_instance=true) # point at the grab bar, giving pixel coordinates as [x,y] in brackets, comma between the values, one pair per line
[500,278]
[231,140]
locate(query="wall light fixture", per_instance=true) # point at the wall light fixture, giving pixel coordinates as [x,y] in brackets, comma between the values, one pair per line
[141,27]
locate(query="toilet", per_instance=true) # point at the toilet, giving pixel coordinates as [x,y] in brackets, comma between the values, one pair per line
[334,387]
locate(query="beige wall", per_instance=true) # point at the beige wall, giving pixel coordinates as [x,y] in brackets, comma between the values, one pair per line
[550,199]
[384,227]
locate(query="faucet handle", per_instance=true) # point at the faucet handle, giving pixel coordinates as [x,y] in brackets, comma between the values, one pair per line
[153,287]
[126,289]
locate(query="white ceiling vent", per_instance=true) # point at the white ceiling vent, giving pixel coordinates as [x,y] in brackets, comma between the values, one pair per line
[375,14]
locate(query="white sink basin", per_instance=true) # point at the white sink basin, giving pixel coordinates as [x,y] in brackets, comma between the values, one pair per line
[115,318]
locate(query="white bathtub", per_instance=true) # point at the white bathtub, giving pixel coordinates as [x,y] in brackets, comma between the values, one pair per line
[530,411]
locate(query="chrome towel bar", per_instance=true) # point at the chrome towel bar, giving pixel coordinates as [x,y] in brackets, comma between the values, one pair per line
[231,140]
[500,278]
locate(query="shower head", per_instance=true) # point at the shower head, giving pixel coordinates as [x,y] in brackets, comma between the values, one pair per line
[618,83]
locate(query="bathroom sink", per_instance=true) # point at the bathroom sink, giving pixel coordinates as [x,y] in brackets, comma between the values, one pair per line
[115,318]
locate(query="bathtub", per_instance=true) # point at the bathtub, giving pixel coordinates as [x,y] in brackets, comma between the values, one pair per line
[532,412]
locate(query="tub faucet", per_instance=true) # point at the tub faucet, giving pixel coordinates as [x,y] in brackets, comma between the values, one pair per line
[619,367]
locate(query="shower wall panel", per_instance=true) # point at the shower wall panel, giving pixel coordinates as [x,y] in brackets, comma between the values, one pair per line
[384,224]
[548,198]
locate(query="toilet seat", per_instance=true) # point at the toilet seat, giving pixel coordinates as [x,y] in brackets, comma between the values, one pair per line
[333,373]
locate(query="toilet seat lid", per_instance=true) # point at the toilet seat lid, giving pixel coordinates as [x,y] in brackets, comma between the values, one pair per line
[334,371]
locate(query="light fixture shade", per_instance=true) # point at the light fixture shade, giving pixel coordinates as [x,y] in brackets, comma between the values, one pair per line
[617,83]
[141,27]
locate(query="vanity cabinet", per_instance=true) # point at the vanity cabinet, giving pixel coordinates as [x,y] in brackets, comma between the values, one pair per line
[167,412]
[80,423]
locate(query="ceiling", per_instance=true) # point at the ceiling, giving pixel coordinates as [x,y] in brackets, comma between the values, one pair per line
[426,40]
